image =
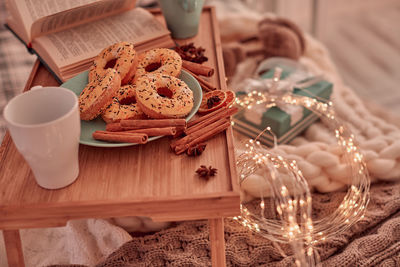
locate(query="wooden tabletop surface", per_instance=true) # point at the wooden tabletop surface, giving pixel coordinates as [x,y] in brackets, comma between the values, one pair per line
[148,180]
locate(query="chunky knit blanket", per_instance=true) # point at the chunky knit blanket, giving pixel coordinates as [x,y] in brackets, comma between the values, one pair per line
[319,157]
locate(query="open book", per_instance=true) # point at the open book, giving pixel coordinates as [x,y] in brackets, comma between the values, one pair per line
[67,35]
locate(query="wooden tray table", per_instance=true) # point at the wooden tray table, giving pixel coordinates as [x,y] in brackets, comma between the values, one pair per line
[142,180]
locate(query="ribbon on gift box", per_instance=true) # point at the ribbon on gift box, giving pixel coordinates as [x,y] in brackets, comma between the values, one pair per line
[275,88]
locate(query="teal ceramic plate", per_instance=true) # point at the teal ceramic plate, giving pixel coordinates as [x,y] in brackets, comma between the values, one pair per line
[77,83]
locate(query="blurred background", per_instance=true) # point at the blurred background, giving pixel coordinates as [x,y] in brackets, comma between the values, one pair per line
[363,37]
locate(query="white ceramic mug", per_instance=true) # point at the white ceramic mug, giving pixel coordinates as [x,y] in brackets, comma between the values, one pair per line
[44,124]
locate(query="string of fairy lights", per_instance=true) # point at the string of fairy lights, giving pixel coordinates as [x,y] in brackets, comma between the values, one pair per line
[292,222]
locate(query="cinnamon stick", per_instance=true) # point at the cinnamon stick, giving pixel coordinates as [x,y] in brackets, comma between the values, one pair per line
[197,68]
[224,113]
[196,134]
[114,127]
[179,133]
[155,131]
[210,115]
[137,138]
[140,124]
[203,137]
[204,84]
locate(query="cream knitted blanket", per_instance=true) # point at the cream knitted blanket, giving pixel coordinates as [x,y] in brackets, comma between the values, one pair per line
[317,153]
[318,156]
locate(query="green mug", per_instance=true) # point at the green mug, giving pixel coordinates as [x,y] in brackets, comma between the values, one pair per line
[182,16]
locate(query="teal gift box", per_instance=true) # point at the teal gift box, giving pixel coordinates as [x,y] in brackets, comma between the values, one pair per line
[278,120]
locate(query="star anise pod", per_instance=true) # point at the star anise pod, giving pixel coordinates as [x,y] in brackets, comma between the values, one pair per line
[212,100]
[205,172]
[191,53]
[196,150]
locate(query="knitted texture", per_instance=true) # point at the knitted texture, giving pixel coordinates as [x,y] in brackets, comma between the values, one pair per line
[373,241]
[317,153]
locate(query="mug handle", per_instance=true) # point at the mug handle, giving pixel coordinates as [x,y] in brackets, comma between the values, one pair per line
[36,87]
[188,5]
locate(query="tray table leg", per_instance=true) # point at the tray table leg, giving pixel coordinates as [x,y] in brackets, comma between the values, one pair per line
[217,242]
[12,241]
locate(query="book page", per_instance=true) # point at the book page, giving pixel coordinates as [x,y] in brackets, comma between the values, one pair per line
[86,41]
[79,15]
[32,10]
[44,16]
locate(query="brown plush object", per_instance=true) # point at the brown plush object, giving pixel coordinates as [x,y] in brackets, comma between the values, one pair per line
[277,37]
[233,54]
[281,38]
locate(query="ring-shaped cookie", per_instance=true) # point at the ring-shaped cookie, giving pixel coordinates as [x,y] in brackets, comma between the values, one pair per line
[163,96]
[159,60]
[121,57]
[98,94]
[123,106]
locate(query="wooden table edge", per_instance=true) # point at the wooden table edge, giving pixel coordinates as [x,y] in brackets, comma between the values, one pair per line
[194,208]
[229,131]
